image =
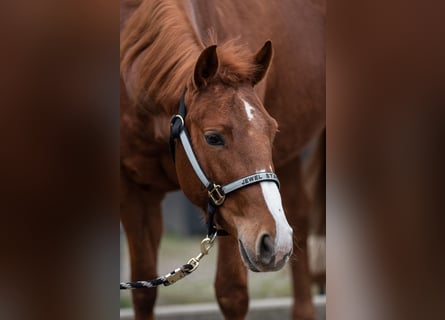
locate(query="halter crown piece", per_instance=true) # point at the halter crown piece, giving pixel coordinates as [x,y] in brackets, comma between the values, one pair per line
[217,193]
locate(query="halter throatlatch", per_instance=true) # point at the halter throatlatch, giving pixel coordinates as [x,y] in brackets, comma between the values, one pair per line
[217,193]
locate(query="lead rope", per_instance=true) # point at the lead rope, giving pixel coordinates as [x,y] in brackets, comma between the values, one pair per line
[178,273]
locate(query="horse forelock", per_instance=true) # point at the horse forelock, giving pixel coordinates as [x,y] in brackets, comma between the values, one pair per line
[159,49]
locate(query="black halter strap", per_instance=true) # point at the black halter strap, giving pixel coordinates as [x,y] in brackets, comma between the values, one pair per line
[217,193]
[176,125]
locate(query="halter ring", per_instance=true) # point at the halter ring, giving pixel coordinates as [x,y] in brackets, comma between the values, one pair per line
[217,194]
[177,116]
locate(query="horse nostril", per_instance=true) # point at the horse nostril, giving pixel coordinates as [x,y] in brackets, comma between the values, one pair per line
[266,249]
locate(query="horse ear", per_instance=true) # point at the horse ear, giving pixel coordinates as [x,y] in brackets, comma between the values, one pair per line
[206,66]
[262,61]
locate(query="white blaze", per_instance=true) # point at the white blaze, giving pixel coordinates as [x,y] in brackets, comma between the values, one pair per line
[249,110]
[283,240]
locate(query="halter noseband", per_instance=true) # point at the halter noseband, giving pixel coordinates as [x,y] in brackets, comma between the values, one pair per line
[217,193]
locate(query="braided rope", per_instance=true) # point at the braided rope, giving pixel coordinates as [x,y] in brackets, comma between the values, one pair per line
[176,274]
[166,280]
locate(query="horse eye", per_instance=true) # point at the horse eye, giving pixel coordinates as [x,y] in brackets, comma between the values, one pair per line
[214,139]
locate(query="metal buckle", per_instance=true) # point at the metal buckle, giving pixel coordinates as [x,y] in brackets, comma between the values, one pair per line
[174,276]
[206,245]
[217,195]
[173,120]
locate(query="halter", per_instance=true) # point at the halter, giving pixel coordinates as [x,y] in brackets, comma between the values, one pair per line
[217,193]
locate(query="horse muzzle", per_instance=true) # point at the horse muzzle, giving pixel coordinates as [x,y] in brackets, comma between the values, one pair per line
[267,255]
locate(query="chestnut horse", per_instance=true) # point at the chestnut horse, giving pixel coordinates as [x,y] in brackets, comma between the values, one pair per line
[248,113]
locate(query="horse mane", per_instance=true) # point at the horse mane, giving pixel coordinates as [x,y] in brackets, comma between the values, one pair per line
[159,48]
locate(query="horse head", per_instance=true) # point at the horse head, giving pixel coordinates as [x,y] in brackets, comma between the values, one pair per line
[232,136]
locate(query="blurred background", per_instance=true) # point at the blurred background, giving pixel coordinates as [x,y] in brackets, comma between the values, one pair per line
[59,128]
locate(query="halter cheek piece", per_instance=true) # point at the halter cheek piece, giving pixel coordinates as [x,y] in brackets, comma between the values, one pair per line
[217,193]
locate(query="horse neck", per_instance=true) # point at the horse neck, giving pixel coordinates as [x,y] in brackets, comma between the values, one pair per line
[158,52]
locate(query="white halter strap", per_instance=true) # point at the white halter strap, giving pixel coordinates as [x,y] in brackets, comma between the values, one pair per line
[216,192]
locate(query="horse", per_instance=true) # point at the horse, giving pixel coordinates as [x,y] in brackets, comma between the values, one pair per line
[250,78]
